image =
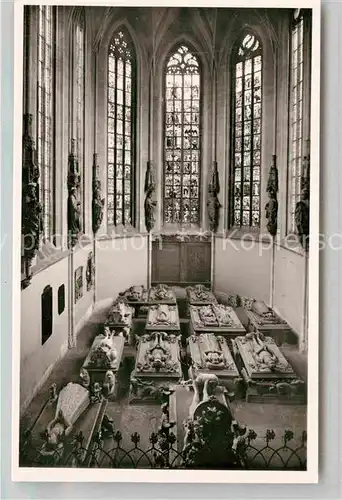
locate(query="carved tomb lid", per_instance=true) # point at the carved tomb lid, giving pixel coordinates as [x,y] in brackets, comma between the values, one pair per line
[262,357]
[210,353]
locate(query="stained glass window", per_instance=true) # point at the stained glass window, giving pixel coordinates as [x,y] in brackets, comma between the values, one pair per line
[246,132]
[296,120]
[79,78]
[182,139]
[45,98]
[121,130]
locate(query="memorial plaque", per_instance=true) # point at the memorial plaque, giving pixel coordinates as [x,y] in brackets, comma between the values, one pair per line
[210,354]
[268,375]
[215,318]
[163,317]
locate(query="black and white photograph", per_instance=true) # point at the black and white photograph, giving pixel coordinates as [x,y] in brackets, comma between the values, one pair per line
[167,166]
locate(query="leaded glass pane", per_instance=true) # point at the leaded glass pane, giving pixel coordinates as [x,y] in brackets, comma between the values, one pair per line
[247,132]
[296,121]
[45,113]
[121,127]
[182,141]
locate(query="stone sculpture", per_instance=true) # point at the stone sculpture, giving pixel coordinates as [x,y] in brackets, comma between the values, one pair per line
[211,435]
[204,387]
[267,374]
[96,393]
[31,222]
[72,402]
[120,314]
[159,357]
[74,203]
[85,378]
[260,314]
[161,293]
[97,202]
[272,205]
[104,353]
[163,317]
[109,383]
[213,203]
[90,271]
[265,358]
[146,389]
[302,212]
[150,203]
[53,393]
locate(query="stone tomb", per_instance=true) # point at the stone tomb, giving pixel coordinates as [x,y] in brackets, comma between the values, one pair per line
[200,295]
[102,363]
[157,366]
[119,320]
[262,318]
[137,298]
[163,317]
[215,318]
[161,294]
[211,354]
[268,375]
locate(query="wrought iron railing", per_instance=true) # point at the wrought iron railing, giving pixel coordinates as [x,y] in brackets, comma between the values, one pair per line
[107,450]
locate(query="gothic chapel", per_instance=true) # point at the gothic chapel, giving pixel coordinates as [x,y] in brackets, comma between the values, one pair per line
[165,233]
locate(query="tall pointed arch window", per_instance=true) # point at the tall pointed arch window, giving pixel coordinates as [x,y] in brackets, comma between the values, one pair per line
[121,123]
[45,113]
[182,140]
[78,56]
[246,131]
[299,110]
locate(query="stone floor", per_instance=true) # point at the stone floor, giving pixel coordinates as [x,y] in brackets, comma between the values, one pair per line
[145,419]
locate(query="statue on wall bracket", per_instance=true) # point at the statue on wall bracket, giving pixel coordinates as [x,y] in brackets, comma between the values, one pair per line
[31,222]
[213,203]
[302,212]
[74,202]
[150,203]
[98,202]
[271,207]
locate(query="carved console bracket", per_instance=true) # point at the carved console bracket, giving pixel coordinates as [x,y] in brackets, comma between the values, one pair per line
[213,202]
[98,202]
[74,202]
[272,205]
[302,212]
[150,203]
[31,222]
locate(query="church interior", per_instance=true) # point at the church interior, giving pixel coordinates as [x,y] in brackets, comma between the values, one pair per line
[165,235]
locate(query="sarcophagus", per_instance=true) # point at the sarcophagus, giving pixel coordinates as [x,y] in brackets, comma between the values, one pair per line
[161,294]
[263,319]
[200,295]
[210,354]
[102,363]
[137,298]
[215,318]
[163,317]
[119,320]
[268,375]
[157,366]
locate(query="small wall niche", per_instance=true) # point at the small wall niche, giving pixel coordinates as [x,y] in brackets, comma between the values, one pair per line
[61,299]
[47,313]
